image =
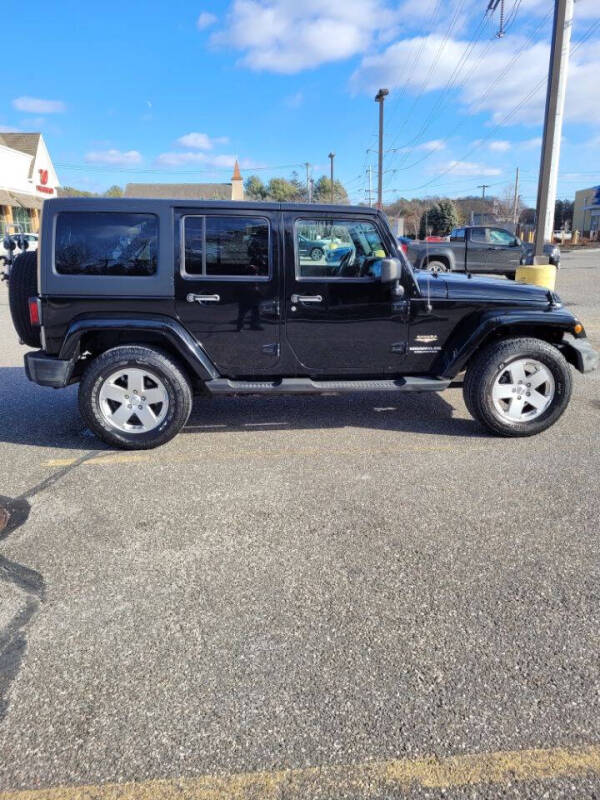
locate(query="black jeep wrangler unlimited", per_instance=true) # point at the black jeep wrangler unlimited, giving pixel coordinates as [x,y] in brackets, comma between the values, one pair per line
[144,302]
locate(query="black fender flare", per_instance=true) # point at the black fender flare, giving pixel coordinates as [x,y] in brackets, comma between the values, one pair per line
[172,331]
[463,343]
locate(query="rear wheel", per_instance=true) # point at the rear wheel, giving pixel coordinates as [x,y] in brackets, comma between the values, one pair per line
[317,254]
[22,285]
[518,387]
[135,397]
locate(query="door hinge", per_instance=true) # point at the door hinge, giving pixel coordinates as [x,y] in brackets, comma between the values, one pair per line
[271,349]
[398,347]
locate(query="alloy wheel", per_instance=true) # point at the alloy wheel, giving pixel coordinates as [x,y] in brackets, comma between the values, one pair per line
[133,400]
[523,390]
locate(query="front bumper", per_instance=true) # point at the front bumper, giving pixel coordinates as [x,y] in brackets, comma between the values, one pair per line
[48,370]
[580,353]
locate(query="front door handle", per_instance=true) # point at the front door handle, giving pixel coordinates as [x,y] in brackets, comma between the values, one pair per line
[307,298]
[203,298]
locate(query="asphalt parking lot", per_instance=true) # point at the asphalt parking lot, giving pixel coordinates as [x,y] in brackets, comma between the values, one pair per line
[349,596]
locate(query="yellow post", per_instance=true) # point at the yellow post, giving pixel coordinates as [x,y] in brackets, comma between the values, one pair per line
[540,275]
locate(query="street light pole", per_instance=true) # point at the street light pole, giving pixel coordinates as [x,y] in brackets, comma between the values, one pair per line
[553,120]
[308,182]
[516,199]
[379,98]
[331,157]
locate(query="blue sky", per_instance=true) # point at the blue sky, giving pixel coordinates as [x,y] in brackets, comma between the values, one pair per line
[157,91]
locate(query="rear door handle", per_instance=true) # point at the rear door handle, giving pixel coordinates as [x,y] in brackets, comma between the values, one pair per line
[307,298]
[203,298]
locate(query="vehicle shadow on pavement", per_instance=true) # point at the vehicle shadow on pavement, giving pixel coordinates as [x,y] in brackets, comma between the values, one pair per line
[418,412]
[40,416]
[43,417]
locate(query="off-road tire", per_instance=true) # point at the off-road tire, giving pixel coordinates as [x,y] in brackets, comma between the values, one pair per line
[163,365]
[484,369]
[22,285]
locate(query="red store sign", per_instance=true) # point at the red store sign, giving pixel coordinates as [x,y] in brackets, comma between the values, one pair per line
[43,181]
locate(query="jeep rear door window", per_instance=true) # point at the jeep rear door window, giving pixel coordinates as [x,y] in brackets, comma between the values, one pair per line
[226,247]
[106,243]
[350,249]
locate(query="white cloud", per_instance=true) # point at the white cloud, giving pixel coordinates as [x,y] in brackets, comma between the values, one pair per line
[294,100]
[9,129]
[433,145]
[479,86]
[531,144]
[34,105]
[224,161]
[469,168]
[116,158]
[287,36]
[499,145]
[205,20]
[200,141]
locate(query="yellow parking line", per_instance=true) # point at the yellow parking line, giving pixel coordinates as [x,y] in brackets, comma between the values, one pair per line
[363,780]
[237,453]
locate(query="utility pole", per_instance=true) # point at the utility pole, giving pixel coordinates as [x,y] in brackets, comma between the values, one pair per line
[331,157]
[311,186]
[379,98]
[483,187]
[553,120]
[516,199]
[370,171]
[308,182]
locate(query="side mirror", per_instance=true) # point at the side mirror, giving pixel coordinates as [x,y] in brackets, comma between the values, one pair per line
[391,270]
[517,242]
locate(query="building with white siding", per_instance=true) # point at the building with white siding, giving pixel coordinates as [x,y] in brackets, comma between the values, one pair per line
[27,178]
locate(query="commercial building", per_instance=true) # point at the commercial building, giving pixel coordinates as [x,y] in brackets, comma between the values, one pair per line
[191,191]
[586,212]
[27,178]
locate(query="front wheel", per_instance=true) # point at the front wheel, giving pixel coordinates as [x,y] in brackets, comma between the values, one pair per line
[135,397]
[518,387]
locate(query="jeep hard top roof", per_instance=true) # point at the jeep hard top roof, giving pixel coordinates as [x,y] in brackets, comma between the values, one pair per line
[159,204]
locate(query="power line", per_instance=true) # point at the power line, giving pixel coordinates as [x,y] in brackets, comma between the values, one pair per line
[485,94]
[436,58]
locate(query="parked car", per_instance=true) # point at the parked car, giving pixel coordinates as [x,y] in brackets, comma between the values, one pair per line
[11,244]
[144,302]
[404,243]
[478,249]
[315,248]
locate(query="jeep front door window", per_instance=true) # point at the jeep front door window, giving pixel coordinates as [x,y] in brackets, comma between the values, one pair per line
[340,317]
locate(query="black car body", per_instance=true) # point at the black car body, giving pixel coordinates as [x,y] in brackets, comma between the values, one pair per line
[227,293]
[478,249]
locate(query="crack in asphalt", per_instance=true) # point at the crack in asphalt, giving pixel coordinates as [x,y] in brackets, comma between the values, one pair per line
[13,640]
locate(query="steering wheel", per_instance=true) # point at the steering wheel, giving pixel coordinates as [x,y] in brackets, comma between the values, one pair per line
[344,264]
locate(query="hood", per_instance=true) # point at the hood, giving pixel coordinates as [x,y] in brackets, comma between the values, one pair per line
[462,287]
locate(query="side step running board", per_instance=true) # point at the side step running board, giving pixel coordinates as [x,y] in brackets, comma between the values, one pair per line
[411,383]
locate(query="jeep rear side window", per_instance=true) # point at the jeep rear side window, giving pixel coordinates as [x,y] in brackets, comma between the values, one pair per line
[226,247]
[106,243]
[338,249]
